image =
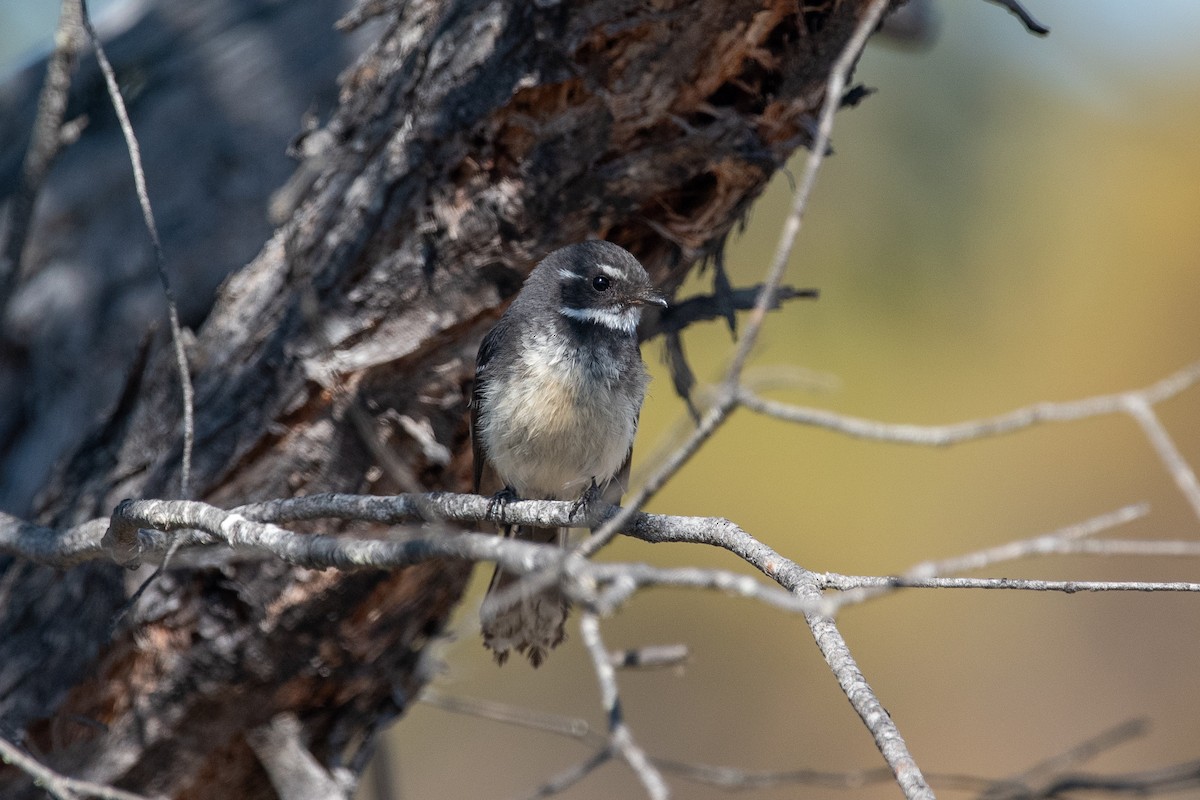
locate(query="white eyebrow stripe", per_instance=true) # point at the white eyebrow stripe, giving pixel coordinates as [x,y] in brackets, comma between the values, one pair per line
[568,275]
[625,321]
[611,271]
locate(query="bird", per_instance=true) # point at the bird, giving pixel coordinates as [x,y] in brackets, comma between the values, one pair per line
[559,385]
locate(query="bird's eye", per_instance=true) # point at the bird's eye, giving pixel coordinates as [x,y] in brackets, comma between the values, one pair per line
[600,283]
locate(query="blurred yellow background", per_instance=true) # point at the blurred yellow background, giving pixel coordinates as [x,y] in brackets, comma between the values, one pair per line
[1008,220]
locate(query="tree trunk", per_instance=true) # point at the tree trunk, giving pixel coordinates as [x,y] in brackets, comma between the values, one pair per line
[470,139]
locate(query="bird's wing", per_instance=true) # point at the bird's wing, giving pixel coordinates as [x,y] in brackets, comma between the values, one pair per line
[619,482]
[486,479]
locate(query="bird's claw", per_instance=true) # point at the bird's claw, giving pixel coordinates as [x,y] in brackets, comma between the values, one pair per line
[590,495]
[499,501]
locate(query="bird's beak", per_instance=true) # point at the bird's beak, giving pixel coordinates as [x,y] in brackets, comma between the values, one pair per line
[650,297]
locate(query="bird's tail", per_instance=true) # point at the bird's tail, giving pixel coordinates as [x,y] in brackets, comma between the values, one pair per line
[530,622]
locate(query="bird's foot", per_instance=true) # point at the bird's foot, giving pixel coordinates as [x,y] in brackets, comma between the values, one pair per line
[499,501]
[586,500]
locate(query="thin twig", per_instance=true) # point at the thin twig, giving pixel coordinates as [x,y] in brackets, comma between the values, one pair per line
[1181,472]
[858,590]
[60,786]
[1173,778]
[735,778]
[1129,547]
[1017,10]
[143,195]
[620,738]
[832,580]
[1137,404]
[1023,548]
[1081,752]
[568,778]
[745,779]
[181,361]
[1008,422]
[651,657]
[45,143]
[571,727]
[702,308]
[709,774]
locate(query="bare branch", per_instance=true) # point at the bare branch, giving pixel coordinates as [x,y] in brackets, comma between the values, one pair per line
[143,195]
[125,544]
[1181,472]
[832,580]
[859,590]
[835,88]
[804,584]
[619,736]
[1017,10]
[742,779]
[1164,780]
[572,727]
[650,657]
[148,529]
[1129,547]
[1079,753]
[61,549]
[45,142]
[60,786]
[236,528]
[572,776]
[1138,404]
[294,773]
[943,435]
[702,308]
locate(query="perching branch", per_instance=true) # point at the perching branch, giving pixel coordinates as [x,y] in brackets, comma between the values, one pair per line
[144,530]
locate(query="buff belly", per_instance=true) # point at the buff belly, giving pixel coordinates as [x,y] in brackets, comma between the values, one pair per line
[548,439]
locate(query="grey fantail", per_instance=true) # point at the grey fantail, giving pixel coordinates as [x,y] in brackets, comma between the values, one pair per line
[559,383]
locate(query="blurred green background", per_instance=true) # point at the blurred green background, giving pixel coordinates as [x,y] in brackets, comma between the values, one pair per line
[1008,220]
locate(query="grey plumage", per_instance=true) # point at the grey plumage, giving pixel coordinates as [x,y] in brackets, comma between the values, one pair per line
[559,383]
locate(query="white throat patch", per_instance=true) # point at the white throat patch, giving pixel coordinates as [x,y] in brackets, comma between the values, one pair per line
[624,321]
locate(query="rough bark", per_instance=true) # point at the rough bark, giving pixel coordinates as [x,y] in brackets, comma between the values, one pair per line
[469,140]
